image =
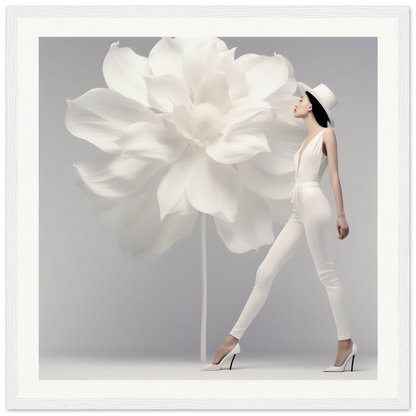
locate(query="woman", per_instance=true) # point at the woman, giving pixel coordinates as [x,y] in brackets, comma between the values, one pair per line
[310,219]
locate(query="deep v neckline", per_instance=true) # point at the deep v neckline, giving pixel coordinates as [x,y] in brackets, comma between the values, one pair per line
[301,153]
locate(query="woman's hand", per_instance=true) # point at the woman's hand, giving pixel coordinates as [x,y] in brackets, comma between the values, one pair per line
[342,226]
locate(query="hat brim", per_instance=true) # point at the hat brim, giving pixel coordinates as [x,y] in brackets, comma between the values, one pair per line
[303,87]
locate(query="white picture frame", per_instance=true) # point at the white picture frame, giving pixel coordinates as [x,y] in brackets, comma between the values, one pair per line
[393,392]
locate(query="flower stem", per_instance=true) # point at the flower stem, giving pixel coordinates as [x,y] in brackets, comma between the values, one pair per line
[203,348]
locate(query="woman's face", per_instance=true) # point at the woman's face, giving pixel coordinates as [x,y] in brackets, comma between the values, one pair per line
[302,106]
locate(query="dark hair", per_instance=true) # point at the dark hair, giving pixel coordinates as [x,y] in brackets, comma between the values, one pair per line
[318,111]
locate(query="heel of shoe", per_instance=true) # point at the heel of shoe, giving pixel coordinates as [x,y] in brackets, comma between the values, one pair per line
[352,362]
[232,361]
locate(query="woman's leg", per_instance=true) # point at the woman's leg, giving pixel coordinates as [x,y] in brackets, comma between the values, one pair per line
[281,250]
[316,215]
[284,246]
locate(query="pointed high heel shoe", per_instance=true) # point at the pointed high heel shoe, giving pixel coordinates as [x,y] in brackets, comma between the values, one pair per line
[213,367]
[342,367]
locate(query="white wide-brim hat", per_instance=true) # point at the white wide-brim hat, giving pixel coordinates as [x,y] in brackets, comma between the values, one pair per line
[324,95]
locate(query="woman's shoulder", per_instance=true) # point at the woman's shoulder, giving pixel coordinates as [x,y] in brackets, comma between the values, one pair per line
[328,136]
[329,132]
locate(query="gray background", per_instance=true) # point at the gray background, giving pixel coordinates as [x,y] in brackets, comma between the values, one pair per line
[94,301]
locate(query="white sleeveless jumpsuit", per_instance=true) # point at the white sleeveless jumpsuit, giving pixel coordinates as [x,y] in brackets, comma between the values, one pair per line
[311,218]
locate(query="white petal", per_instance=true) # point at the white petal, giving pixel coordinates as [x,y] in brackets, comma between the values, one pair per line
[213,188]
[236,77]
[153,143]
[123,72]
[284,140]
[101,115]
[179,118]
[107,181]
[284,104]
[245,110]
[166,57]
[144,236]
[213,89]
[237,146]
[171,192]
[253,225]
[199,55]
[266,74]
[290,86]
[167,90]
[263,183]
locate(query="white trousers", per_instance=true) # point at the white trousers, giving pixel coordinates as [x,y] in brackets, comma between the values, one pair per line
[311,218]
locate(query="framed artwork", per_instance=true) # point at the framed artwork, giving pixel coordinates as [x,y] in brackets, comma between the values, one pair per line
[150,184]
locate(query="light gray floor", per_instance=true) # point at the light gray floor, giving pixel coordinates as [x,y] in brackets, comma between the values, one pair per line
[244,367]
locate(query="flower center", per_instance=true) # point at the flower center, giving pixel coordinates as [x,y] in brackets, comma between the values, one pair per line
[205,122]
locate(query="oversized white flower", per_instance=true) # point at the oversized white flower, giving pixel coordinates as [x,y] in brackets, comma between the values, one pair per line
[189,129]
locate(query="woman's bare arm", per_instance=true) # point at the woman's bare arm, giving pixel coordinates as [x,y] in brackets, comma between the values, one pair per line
[330,143]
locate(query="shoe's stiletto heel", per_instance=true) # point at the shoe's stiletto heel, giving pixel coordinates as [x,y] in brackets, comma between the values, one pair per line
[232,361]
[342,367]
[218,366]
